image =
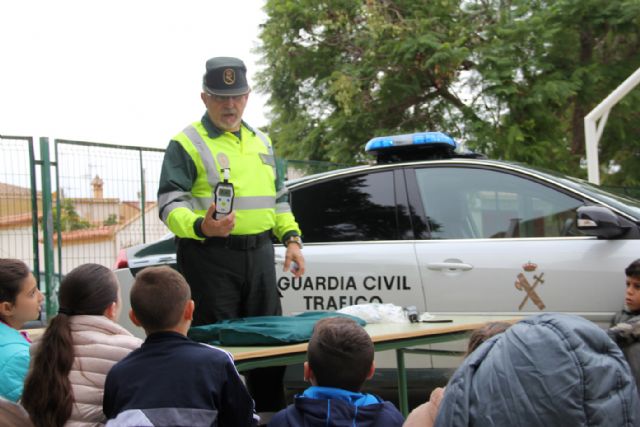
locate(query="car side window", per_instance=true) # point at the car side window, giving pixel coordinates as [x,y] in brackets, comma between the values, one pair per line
[474,203]
[352,208]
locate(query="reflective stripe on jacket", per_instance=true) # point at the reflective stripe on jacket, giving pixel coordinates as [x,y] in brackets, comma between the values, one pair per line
[252,172]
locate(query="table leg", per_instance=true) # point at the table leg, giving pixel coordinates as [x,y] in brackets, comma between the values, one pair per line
[403,398]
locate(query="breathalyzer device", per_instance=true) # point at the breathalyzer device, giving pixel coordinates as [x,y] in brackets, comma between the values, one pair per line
[223,192]
[224,199]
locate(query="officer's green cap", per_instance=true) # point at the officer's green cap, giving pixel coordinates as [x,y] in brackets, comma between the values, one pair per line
[225,76]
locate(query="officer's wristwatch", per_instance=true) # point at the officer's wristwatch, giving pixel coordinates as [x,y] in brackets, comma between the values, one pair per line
[294,239]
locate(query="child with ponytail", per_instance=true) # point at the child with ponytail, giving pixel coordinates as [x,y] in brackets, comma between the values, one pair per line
[82,342]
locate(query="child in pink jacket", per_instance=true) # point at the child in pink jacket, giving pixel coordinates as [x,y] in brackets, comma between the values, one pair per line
[65,385]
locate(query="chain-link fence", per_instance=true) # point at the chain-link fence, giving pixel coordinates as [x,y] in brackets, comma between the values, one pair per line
[107,196]
[18,223]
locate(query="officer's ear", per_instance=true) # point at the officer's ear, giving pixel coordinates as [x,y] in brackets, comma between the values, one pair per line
[203,96]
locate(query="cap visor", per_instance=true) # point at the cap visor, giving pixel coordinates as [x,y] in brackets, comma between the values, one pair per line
[227,92]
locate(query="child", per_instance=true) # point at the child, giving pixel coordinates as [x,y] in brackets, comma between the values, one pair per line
[550,369]
[625,326]
[172,380]
[70,361]
[20,302]
[425,414]
[339,360]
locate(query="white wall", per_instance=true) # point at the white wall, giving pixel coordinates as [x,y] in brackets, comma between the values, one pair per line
[131,234]
[101,252]
[16,243]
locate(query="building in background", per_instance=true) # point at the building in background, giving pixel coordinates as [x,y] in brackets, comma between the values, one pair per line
[93,229]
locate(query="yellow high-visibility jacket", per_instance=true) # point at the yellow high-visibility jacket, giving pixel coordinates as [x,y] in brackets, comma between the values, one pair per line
[191,170]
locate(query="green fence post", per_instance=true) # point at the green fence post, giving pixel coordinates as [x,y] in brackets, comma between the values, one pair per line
[34,210]
[47,228]
[58,218]
[143,199]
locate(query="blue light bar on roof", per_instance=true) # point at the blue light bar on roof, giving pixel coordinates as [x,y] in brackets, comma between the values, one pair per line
[419,138]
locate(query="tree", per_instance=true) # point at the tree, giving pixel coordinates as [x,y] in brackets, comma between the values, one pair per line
[69,218]
[550,64]
[112,219]
[512,78]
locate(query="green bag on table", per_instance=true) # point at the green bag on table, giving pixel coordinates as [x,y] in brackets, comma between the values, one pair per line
[263,330]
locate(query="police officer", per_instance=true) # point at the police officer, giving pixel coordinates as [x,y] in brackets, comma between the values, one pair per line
[229,262]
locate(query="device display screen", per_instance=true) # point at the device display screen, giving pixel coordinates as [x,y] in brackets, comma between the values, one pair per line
[224,192]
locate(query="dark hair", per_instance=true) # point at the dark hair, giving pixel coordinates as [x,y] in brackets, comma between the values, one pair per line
[158,298]
[633,269]
[482,334]
[48,397]
[12,414]
[12,275]
[340,353]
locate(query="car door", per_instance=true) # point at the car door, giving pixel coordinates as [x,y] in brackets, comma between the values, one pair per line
[504,242]
[358,244]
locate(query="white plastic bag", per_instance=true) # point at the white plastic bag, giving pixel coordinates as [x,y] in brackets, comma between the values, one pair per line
[377,313]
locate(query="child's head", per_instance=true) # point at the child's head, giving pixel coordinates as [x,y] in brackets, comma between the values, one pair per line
[90,289]
[159,298]
[632,295]
[20,299]
[340,354]
[482,334]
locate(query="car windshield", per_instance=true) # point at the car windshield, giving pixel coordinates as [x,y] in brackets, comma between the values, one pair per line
[625,204]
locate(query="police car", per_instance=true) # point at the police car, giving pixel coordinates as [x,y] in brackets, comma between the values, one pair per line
[455,233]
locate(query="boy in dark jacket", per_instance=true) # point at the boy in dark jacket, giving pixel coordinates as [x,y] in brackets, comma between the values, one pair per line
[625,326]
[339,360]
[172,380]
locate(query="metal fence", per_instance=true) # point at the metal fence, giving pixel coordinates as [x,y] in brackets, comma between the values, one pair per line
[72,202]
[107,199]
[67,203]
[18,226]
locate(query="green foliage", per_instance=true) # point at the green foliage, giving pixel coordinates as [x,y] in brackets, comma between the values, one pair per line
[69,218]
[112,219]
[511,78]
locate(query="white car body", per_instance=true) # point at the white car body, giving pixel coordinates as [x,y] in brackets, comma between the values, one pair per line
[521,259]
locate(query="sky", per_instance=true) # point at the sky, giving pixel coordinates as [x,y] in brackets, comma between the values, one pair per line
[125,72]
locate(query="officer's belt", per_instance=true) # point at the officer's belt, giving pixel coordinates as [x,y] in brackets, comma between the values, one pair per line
[243,242]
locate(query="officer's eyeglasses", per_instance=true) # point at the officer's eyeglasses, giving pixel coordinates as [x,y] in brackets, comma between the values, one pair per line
[223,98]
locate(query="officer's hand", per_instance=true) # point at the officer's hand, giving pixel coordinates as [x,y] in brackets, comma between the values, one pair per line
[294,254]
[217,228]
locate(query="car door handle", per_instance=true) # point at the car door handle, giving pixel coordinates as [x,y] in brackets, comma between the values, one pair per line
[438,266]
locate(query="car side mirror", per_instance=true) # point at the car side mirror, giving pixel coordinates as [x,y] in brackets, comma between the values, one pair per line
[600,221]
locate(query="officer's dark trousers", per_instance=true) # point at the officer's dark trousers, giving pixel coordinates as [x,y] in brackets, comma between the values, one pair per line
[231,283]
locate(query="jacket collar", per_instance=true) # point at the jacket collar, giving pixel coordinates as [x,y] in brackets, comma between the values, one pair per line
[213,131]
[353,398]
[164,336]
[24,334]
